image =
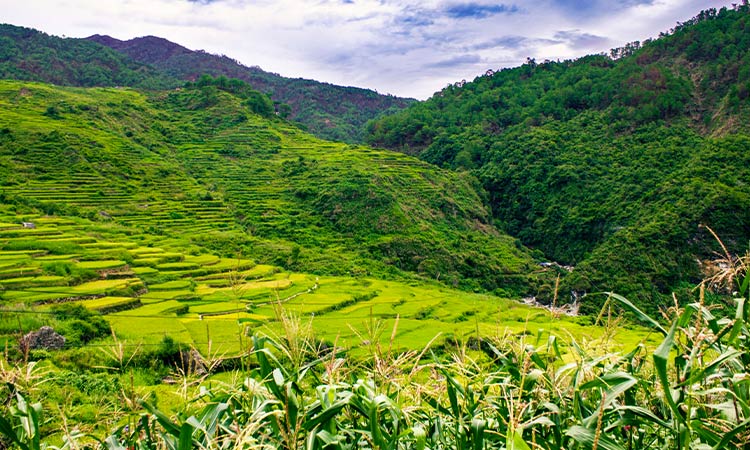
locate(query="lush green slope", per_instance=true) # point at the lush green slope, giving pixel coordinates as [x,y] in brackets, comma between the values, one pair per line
[611,163]
[130,300]
[329,111]
[199,162]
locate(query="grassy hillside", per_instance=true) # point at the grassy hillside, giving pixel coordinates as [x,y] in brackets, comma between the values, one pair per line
[326,110]
[609,162]
[135,304]
[200,162]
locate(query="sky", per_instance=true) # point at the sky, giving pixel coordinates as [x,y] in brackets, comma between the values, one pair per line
[400,47]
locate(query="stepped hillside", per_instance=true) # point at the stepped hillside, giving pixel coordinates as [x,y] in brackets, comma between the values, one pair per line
[212,163]
[329,111]
[612,163]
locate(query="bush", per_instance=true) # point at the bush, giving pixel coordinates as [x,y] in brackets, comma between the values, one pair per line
[79,325]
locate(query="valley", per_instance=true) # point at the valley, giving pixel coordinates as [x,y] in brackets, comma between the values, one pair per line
[183,265]
[614,163]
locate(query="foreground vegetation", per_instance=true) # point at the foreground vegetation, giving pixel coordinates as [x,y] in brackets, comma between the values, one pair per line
[536,392]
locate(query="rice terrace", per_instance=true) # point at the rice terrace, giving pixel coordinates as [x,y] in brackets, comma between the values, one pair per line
[199,254]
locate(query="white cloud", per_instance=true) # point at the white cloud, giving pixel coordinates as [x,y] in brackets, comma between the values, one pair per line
[405,47]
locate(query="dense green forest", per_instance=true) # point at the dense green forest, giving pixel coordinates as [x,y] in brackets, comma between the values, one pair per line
[612,163]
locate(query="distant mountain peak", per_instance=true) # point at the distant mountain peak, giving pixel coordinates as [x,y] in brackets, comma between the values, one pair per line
[146,49]
[151,62]
[103,39]
[330,111]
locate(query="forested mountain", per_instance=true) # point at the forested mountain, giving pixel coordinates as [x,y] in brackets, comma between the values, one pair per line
[612,163]
[329,111]
[27,54]
[211,162]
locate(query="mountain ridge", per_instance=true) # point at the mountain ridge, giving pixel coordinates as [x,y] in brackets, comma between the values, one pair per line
[31,55]
[163,48]
[328,110]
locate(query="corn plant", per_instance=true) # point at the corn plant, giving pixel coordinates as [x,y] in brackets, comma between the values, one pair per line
[701,376]
[692,391]
[23,424]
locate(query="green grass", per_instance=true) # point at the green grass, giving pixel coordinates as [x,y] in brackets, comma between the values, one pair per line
[158,296]
[204,260]
[26,282]
[178,266]
[149,330]
[105,303]
[100,265]
[170,285]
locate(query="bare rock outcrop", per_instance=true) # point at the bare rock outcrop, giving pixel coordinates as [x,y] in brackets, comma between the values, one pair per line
[45,338]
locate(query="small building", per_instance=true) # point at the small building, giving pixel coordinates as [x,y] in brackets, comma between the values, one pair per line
[29,225]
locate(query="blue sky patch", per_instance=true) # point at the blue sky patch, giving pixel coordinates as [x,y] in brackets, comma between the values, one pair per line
[478,11]
[415,20]
[582,40]
[588,8]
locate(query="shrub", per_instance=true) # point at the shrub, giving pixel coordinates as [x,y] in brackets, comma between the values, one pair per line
[79,325]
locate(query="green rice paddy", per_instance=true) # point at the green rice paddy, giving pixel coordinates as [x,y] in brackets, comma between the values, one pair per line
[202,298]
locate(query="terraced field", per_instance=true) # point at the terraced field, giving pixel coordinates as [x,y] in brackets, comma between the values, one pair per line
[148,287]
[198,164]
